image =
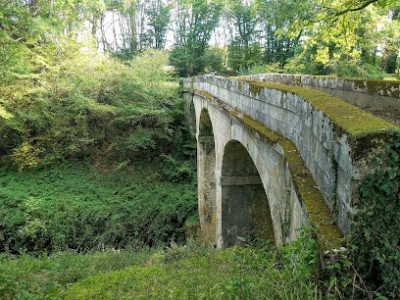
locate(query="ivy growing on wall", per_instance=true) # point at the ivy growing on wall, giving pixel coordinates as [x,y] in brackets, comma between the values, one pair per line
[376,230]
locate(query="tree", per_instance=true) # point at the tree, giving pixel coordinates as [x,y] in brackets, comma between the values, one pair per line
[158,13]
[392,40]
[196,19]
[244,51]
[277,20]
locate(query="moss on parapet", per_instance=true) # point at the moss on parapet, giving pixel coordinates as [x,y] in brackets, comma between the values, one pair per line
[205,94]
[362,128]
[378,87]
[328,234]
[351,119]
[386,88]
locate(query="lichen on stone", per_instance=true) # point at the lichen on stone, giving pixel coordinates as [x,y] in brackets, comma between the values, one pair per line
[379,87]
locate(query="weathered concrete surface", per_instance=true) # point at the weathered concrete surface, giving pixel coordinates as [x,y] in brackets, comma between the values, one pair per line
[305,147]
[206,176]
[381,98]
[245,206]
[255,191]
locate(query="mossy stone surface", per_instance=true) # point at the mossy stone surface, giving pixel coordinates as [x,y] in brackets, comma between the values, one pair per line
[351,119]
[328,234]
[364,130]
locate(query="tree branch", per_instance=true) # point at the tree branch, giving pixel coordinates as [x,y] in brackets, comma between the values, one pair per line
[350,9]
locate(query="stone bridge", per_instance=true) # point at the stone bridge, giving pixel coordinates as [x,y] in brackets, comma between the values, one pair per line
[273,157]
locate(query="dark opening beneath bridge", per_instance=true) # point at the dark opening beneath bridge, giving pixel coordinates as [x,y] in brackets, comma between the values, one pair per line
[245,208]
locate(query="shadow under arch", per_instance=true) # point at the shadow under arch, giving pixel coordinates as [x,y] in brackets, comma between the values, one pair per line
[206,157]
[245,206]
[190,116]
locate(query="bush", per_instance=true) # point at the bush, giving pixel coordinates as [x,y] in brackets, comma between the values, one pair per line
[84,102]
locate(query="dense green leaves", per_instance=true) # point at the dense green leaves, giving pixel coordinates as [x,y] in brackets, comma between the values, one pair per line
[72,207]
[84,101]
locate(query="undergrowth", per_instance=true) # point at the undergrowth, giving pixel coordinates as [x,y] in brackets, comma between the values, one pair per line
[70,206]
[192,271]
[27,277]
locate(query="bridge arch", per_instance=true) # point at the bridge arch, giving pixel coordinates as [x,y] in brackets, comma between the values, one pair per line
[245,206]
[206,158]
[216,128]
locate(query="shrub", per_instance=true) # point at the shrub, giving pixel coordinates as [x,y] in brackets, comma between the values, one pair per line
[83,102]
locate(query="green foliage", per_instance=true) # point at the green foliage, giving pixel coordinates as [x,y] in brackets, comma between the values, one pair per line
[158,13]
[243,51]
[69,207]
[26,156]
[86,101]
[214,59]
[191,271]
[272,68]
[177,170]
[302,254]
[243,58]
[376,227]
[326,62]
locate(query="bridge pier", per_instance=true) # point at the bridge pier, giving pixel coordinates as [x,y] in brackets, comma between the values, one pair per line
[206,177]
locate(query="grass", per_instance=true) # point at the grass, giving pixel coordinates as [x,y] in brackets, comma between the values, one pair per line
[193,271]
[72,233]
[199,272]
[27,277]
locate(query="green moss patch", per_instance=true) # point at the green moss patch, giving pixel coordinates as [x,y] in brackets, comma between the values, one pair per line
[351,119]
[328,234]
[386,88]
[205,94]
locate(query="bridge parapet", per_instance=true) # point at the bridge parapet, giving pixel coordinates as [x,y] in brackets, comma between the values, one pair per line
[336,140]
[379,97]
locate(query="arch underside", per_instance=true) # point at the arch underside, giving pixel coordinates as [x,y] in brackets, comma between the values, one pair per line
[245,208]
